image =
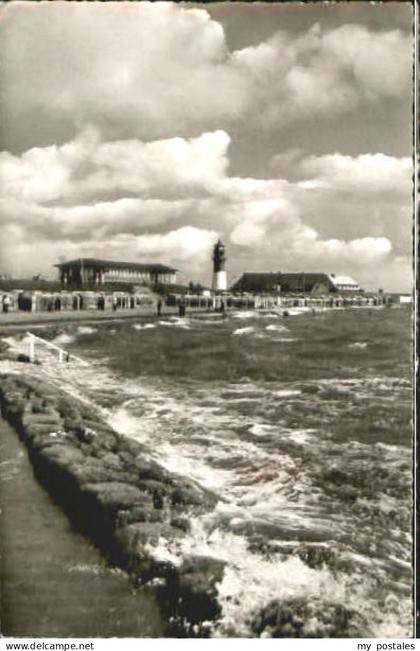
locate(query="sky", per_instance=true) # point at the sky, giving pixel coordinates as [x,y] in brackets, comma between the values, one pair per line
[146,131]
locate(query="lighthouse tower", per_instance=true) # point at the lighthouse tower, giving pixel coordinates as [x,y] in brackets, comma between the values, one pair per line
[219,273]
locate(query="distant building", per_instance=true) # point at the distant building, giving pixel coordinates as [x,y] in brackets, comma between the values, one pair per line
[89,271]
[313,283]
[219,274]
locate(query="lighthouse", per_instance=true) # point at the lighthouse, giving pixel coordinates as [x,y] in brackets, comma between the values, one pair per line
[219,273]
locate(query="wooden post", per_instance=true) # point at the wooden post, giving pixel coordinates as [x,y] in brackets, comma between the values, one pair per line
[31,348]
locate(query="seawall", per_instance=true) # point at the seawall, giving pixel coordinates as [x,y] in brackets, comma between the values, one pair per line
[114,493]
[51,575]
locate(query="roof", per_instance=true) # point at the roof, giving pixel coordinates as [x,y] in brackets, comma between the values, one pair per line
[293,281]
[343,280]
[136,266]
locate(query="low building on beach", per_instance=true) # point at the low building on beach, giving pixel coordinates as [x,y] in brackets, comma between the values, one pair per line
[70,301]
[93,272]
[298,283]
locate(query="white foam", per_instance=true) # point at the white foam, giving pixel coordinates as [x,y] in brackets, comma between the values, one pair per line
[145,326]
[287,393]
[358,344]
[86,330]
[212,322]
[274,327]
[63,339]
[246,314]
[261,429]
[16,343]
[177,323]
[302,437]
[251,581]
[244,331]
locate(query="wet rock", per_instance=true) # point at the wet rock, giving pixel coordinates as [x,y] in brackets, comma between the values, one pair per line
[181,523]
[14,356]
[136,544]
[37,405]
[21,357]
[128,449]
[112,491]
[139,514]
[190,595]
[72,424]
[152,485]
[68,409]
[34,430]
[49,439]
[149,469]
[111,460]
[92,471]
[15,408]
[3,345]
[113,496]
[134,536]
[64,456]
[42,421]
[88,412]
[104,442]
[85,448]
[187,494]
[299,618]
[336,476]
[101,503]
[85,434]
[316,556]
[98,426]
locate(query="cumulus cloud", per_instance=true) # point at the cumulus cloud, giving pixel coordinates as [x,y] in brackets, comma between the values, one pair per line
[168,200]
[87,167]
[370,173]
[151,70]
[121,118]
[142,68]
[325,72]
[187,244]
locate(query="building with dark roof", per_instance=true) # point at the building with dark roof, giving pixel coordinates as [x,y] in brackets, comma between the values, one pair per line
[298,283]
[90,271]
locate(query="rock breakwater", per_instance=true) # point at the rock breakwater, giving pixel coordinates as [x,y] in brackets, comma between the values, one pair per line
[132,508]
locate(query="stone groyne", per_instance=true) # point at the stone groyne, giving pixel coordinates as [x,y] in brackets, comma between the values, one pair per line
[114,493]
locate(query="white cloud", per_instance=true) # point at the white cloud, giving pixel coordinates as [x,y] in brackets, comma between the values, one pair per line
[168,200]
[146,68]
[188,244]
[261,219]
[88,167]
[370,173]
[150,70]
[325,72]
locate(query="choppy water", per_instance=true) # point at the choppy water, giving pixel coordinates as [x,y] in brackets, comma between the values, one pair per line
[302,425]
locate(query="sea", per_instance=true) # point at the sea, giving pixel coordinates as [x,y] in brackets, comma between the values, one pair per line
[301,424]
